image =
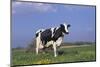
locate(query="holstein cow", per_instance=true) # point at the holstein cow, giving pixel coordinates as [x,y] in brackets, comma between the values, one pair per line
[51,36]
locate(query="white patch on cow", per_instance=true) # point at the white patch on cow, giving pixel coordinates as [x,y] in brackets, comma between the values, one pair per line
[57,28]
[40,30]
[39,44]
[65,27]
[52,29]
[49,43]
[59,41]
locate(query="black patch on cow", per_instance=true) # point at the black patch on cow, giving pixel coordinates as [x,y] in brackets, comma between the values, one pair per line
[62,28]
[58,33]
[37,34]
[68,25]
[54,30]
[46,36]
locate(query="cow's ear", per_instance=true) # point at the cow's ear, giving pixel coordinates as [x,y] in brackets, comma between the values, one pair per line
[68,25]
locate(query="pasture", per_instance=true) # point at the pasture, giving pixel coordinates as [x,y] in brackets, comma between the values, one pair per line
[73,53]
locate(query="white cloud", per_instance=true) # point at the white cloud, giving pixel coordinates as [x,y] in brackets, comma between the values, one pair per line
[39,7]
[44,7]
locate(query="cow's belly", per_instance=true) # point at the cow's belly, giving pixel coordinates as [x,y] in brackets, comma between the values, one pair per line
[49,43]
[40,46]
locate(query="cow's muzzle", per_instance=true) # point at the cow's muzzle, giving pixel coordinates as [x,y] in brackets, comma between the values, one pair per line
[67,32]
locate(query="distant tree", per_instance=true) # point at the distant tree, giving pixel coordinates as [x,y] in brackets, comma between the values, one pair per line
[19,47]
[31,46]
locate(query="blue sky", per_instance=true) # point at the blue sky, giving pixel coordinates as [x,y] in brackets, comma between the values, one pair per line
[28,17]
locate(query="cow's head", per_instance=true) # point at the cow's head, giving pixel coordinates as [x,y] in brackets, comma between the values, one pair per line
[64,28]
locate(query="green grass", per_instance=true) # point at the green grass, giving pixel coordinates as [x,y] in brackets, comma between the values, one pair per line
[74,54]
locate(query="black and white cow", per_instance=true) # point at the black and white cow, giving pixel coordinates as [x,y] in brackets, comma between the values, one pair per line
[51,36]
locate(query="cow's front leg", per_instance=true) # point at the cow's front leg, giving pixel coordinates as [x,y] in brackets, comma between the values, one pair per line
[54,47]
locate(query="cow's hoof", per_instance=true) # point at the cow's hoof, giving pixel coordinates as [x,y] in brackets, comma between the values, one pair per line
[55,56]
[60,52]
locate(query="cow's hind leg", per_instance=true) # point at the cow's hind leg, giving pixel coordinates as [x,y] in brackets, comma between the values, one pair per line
[37,45]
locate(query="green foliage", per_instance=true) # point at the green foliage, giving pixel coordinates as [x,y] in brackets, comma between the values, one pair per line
[73,54]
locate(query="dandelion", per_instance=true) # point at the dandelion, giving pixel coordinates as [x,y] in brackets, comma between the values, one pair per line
[44,61]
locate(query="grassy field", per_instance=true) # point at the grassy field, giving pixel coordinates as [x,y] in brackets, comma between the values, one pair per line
[70,54]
